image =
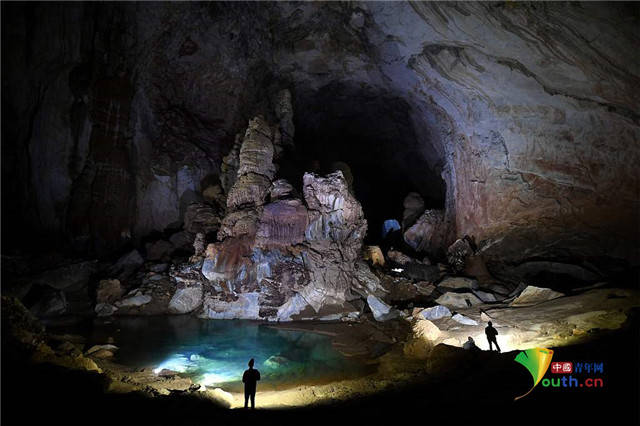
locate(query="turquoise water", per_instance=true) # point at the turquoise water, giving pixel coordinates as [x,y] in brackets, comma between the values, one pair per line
[216,352]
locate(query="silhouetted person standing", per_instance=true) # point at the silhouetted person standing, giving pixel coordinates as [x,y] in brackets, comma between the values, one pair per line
[250,378]
[491,336]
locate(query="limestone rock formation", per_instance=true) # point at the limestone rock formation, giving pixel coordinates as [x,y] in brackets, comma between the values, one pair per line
[109,291]
[413,207]
[429,232]
[458,300]
[280,188]
[435,312]
[201,218]
[381,311]
[458,283]
[186,299]
[374,255]
[458,253]
[533,295]
[278,256]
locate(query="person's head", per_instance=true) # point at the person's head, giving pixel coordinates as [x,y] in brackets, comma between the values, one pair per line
[470,339]
[251,362]
[490,323]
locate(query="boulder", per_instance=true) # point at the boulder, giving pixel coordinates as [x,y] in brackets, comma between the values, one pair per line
[68,277]
[533,295]
[476,267]
[425,329]
[51,303]
[109,291]
[158,249]
[418,271]
[428,233]
[413,207]
[223,398]
[457,254]
[485,296]
[424,288]
[435,312]
[182,240]
[137,300]
[186,299]
[95,348]
[102,354]
[458,283]
[484,317]
[127,265]
[159,268]
[495,288]
[381,311]
[463,319]
[458,300]
[399,257]
[68,348]
[105,309]
[366,282]
[373,255]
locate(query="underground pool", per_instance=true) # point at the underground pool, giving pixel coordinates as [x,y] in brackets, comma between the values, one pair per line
[215,353]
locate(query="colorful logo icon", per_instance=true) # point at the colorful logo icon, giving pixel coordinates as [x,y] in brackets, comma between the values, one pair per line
[537,361]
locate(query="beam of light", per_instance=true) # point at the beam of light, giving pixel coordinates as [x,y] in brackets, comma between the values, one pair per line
[177,362]
[210,379]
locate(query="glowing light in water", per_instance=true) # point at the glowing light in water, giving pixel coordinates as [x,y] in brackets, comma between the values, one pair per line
[398,270]
[209,379]
[215,353]
[177,362]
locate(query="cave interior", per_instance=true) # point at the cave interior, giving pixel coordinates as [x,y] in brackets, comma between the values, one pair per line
[394,175]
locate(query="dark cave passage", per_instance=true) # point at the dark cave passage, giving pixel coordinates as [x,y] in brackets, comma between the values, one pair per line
[369,136]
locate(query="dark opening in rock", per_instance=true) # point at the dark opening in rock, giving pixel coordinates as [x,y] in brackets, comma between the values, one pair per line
[368,135]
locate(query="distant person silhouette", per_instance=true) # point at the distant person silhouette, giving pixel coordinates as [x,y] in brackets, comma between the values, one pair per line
[491,336]
[470,345]
[250,378]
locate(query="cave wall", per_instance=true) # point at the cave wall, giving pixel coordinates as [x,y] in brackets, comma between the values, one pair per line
[528,112]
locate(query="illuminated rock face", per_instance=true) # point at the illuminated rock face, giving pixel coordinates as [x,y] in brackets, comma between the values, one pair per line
[526,113]
[543,322]
[277,258]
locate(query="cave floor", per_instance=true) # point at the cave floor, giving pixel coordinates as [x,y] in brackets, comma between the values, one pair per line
[451,387]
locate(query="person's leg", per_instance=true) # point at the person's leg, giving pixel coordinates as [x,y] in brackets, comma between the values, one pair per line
[490,347]
[497,347]
[253,400]
[246,399]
